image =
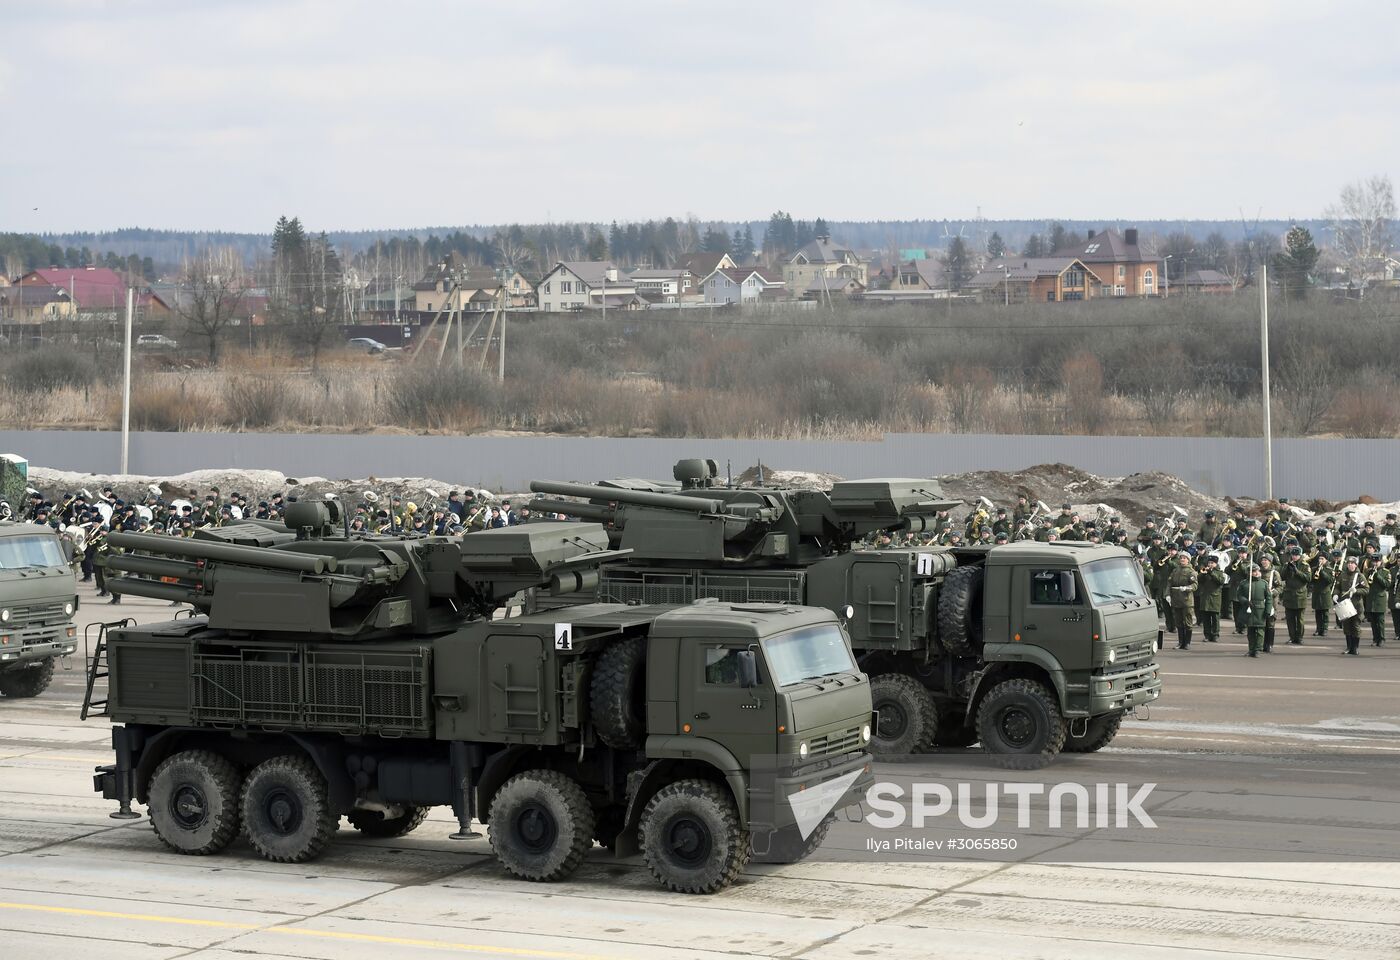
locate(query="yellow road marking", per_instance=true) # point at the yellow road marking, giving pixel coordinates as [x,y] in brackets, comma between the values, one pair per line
[116,915]
[305,932]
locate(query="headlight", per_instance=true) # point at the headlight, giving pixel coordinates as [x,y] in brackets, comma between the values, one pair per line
[5,615]
[1112,656]
[865,733]
[802,749]
[68,609]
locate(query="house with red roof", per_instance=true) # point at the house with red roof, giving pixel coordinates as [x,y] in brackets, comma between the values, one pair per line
[96,290]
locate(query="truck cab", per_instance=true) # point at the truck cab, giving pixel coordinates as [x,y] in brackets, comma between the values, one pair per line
[1073,619]
[38,596]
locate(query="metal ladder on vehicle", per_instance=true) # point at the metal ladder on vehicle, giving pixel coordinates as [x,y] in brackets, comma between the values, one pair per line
[97,667]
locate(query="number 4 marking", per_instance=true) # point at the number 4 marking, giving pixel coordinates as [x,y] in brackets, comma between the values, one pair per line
[563,636]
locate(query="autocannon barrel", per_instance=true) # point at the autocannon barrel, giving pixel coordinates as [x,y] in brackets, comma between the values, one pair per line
[640,498]
[153,566]
[227,552]
[583,511]
[152,589]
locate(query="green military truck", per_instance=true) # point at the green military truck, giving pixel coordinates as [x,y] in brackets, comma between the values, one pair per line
[374,677]
[1029,648]
[38,595]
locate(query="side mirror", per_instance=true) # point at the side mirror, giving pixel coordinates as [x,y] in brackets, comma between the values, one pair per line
[1068,593]
[748,668]
[69,551]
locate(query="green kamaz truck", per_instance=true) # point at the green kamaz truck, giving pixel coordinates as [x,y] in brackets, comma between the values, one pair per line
[375,677]
[1029,648]
[38,595]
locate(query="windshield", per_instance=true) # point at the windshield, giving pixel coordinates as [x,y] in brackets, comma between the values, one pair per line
[1119,578]
[19,552]
[815,651]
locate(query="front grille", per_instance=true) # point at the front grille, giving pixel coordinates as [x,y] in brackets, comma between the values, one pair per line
[838,741]
[37,614]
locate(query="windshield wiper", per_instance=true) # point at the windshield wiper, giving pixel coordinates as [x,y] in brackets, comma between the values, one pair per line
[1101,596]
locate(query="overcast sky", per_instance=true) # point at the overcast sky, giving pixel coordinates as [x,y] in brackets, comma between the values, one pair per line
[222,115]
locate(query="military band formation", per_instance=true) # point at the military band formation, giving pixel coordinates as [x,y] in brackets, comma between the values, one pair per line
[1236,568]
[86,519]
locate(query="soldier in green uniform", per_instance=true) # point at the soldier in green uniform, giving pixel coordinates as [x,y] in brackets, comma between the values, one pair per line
[1209,529]
[1297,577]
[1270,575]
[1351,584]
[1239,589]
[1391,527]
[1145,535]
[1392,569]
[1182,584]
[1307,540]
[1160,558]
[1209,587]
[1377,597]
[1259,608]
[1322,578]
[1002,524]
[1021,513]
[1043,532]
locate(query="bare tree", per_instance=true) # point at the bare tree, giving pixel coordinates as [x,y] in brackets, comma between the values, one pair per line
[1308,380]
[1361,225]
[313,304]
[211,291]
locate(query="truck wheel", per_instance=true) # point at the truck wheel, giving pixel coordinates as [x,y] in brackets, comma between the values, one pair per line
[373,823]
[787,846]
[192,800]
[960,611]
[1019,722]
[616,694]
[28,681]
[1100,731]
[286,812]
[541,825]
[907,715]
[692,839]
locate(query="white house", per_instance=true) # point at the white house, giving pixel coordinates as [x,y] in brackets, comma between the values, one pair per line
[665,286]
[581,284]
[739,285]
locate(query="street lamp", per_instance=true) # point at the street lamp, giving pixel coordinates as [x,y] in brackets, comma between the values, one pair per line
[1167,276]
[1006,271]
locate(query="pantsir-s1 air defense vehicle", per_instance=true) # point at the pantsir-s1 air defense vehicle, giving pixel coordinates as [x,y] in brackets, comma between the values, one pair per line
[1029,648]
[373,677]
[38,595]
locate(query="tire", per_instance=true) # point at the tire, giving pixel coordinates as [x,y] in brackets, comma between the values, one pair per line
[286,811]
[960,611]
[788,846]
[541,825]
[692,838]
[192,800]
[951,736]
[616,694]
[1101,730]
[908,715]
[373,823]
[1019,723]
[27,681]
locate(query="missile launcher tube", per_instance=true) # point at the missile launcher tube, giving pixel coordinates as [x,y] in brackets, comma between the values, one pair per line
[225,552]
[640,498]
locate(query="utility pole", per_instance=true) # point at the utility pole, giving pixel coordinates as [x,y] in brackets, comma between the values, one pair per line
[126,377]
[1264,369]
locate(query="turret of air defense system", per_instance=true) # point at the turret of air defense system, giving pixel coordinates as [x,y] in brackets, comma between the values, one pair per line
[1028,648]
[374,677]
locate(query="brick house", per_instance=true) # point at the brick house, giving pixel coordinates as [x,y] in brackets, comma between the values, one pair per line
[1028,279]
[1119,263]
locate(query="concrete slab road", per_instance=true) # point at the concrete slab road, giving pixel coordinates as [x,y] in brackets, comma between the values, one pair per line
[75,883]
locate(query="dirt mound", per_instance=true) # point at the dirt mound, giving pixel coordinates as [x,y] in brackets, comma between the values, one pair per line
[795,479]
[1134,497]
